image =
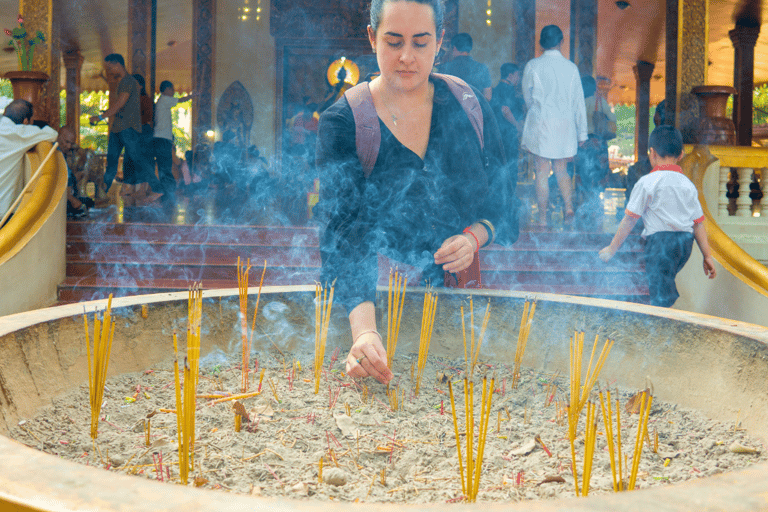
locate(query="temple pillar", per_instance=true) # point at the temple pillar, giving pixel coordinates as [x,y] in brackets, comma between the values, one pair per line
[44,15]
[687,33]
[643,73]
[583,35]
[137,58]
[203,53]
[73,63]
[525,31]
[744,39]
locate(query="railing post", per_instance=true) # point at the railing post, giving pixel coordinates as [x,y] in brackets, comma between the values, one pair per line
[743,202]
[722,197]
[764,190]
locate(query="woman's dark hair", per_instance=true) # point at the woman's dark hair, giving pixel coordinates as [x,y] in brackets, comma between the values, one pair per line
[589,85]
[142,83]
[437,9]
[551,35]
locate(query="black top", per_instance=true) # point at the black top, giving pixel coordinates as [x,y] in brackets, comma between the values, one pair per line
[468,69]
[408,206]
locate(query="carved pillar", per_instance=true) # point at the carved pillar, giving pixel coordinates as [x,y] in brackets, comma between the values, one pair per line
[693,44]
[44,15]
[671,57]
[744,39]
[525,30]
[137,60]
[203,48]
[73,62]
[686,35]
[643,73]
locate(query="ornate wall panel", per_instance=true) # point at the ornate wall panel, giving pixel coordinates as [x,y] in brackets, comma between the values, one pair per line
[203,47]
[137,60]
[42,15]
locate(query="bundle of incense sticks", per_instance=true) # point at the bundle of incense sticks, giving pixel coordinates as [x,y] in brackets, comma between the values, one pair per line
[98,360]
[471,473]
[425,338]
[323,305]
[522,338]
[185,403]
[242,286]
[579,395]
[470,359]
[395,312]
[590,436]
[613,440]
[642,432]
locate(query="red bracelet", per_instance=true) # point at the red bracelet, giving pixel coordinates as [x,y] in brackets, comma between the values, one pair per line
[477,241]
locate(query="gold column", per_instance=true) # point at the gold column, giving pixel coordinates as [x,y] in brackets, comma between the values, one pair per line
[692,48]
[44,15]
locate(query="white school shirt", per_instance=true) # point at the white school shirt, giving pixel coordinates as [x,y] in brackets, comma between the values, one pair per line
[557,118]
[163,117]
[666,200]
[15,141]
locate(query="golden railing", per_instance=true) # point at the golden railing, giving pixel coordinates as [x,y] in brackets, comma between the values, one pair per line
[38,203]
[727,252]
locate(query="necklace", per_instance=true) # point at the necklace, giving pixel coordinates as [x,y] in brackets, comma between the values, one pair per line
[401,116]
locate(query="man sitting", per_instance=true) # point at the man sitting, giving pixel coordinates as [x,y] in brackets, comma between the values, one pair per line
[17,136]
[77,206]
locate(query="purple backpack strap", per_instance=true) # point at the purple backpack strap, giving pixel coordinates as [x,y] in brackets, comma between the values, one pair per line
[468,101]
[367,131]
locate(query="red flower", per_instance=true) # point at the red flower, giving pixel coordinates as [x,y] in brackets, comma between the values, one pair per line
[8,32]
[21,20]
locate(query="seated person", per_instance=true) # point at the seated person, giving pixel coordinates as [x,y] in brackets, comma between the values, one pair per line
[77,206]
[17,136]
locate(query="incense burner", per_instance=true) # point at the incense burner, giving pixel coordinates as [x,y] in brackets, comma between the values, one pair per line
[714,365]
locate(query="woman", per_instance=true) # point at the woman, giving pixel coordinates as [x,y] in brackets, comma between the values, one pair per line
[592,164]
[428,185]
[557,120]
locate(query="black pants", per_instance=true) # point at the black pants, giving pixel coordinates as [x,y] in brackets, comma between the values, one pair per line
[666,253]
[163,149]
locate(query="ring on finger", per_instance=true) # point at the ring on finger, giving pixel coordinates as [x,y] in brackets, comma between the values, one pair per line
[360,359]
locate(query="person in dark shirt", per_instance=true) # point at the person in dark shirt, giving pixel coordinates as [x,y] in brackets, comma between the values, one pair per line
[465,67]
[433,196]
[509,107]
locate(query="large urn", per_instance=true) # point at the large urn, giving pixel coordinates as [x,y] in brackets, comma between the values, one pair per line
[714,126]
[27,85]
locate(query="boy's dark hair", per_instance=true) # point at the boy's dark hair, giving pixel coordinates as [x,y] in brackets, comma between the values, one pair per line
[508,68]
[115,57]
[551,35]
[666,141]
[18,111]
[462,42]
[165,84]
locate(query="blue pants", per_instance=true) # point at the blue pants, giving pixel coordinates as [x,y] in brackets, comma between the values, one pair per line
[132,141]
[666,253]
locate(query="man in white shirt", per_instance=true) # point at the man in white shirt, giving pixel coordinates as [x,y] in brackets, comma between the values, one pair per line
[556,123]
[163,141]
[17,136]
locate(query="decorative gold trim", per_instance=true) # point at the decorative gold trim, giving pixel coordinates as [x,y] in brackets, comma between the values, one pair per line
[727,252]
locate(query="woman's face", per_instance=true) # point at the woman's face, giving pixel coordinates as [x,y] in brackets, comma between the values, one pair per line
[405,43]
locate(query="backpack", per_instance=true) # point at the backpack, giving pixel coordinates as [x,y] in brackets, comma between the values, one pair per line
[368,134]
[368,141]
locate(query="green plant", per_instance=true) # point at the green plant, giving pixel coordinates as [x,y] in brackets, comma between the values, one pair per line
[25,48]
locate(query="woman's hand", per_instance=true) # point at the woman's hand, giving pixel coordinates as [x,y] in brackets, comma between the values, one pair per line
[456,253]
[367,357]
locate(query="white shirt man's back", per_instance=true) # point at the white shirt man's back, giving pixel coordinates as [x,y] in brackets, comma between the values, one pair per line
[15,141]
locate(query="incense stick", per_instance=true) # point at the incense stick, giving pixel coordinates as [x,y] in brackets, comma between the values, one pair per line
[323,305]
[242,288]
[427,324]
[395,312]
[98,361]
[522,338]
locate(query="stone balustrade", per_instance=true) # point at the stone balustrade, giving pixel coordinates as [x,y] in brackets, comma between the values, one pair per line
[737,196]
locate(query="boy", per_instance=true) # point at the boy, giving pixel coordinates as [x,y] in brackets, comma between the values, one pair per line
[669,205]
